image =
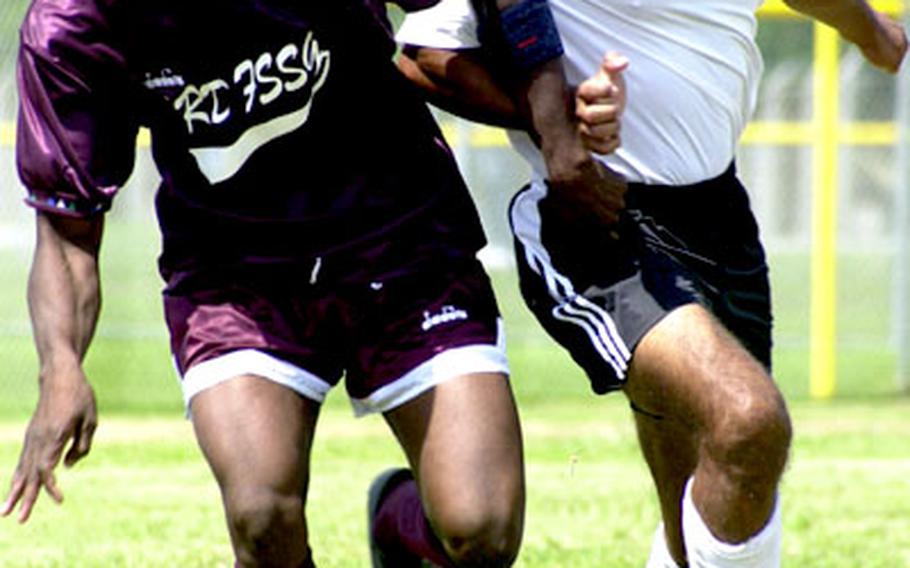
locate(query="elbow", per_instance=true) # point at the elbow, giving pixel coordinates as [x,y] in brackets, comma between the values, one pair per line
[408,65]
[423,66]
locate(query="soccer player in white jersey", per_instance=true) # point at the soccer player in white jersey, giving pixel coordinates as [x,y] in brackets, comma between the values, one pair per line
[671,304]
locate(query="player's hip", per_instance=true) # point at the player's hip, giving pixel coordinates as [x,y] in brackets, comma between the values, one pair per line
[598,289]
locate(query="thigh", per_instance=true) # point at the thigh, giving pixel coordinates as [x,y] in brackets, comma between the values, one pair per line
[255,433]
[595,295]
[463,441]
[690,368]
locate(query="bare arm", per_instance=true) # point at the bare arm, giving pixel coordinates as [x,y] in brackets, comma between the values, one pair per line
[545,101]
[63,289]
[461,82]
[881,39]
[64,301]
[524,88]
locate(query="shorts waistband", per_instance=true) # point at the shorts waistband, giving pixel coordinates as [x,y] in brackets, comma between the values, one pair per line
[719,182]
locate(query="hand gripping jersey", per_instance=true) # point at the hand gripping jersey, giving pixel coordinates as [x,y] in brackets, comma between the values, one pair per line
[282,129]
[692,79]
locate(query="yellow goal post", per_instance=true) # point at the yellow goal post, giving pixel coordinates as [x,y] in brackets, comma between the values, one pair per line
[825,133]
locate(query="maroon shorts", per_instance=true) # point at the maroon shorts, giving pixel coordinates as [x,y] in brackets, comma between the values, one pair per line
[393,334]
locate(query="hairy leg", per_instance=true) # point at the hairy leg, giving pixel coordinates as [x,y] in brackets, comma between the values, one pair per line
[256,436]
[463,442]
[715,401]
[671,452]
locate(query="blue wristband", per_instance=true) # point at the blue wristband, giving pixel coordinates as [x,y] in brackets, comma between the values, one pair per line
[531,34]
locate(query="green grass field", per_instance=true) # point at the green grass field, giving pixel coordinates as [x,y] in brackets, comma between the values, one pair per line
[144,497]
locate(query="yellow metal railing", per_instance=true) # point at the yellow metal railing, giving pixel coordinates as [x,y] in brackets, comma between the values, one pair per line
[826,134]
[7,134]
[777,8]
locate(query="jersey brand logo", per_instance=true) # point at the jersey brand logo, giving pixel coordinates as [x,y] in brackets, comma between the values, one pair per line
[446,315]
[165,79]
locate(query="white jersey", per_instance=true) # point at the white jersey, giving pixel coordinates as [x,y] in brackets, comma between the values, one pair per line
[692,79]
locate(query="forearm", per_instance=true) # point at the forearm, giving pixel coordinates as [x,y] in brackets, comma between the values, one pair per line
[543,96]
[461,82]
[63,299]
[854,19]
[548,110]
[63,291]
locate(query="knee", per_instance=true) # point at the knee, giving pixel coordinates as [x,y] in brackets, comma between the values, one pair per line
[265,523]
[480,537]
[752,435]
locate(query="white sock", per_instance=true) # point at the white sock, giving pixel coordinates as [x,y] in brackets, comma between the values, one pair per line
[704,550]
[660,554]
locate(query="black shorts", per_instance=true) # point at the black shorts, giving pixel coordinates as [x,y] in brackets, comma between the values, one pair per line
[598,295]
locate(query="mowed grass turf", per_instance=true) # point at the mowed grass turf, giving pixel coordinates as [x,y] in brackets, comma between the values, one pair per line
[145,497]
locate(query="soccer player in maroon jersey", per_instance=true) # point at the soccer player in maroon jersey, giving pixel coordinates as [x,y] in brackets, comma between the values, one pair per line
[314,225]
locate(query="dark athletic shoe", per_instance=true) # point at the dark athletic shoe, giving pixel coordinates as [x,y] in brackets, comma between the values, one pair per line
[384,483]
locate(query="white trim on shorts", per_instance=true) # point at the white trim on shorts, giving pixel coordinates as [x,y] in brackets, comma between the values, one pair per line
[211,372]
[451,363]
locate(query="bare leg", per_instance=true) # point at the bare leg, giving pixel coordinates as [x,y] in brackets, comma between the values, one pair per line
[722,420]
[463,442]
[256,436]
[670,450]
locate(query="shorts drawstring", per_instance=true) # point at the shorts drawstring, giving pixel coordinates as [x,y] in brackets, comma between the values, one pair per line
[314,274]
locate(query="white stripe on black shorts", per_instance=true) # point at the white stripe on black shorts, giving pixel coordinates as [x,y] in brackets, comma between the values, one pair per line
[597,295]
